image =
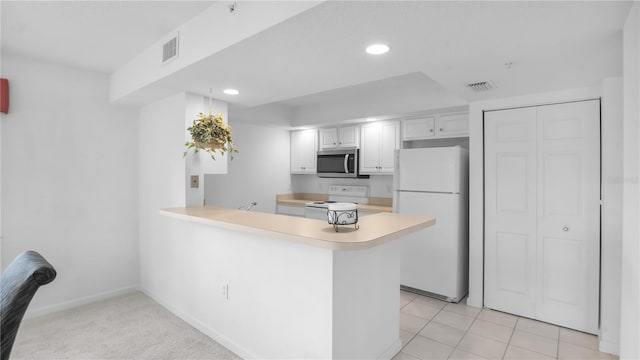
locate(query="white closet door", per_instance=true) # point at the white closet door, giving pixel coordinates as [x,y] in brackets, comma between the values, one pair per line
[510,210]
[542,213]
[569,214]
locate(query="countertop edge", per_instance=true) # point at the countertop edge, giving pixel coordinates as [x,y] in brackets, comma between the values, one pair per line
[316,242]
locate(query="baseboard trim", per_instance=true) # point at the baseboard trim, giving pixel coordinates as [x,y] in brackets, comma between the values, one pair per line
[477,303]
[49,309]
[609,347]
[203,328]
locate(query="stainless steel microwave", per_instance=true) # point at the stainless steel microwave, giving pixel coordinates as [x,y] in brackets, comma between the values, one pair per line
[338,163]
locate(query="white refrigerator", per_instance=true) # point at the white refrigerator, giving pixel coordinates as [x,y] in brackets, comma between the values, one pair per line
[434,182]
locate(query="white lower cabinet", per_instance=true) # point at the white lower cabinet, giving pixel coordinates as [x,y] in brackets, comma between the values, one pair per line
[377,146]
[542,213]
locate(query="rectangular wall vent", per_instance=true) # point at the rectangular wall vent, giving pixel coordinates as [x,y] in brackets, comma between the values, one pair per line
[170,49]
[481,86]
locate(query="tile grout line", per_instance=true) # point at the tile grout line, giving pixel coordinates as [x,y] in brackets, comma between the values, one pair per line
[513,331]
[558,347]
[463,335]
[536,334]
[424,326]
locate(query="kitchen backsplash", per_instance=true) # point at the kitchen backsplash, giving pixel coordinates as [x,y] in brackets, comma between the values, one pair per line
[379,186]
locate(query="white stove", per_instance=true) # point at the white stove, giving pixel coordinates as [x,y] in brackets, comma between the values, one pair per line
[337,193]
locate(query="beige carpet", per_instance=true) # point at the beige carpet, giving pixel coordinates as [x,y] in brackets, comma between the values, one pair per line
[127,327]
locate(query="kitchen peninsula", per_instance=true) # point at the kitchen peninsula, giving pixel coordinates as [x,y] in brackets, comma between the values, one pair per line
[275,286]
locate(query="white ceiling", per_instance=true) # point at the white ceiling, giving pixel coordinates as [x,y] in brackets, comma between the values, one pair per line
[94,35]
[316,60]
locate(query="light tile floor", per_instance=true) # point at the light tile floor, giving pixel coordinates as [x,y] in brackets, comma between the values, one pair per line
[434,329]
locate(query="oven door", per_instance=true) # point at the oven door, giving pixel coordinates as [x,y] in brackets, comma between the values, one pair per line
[337,163]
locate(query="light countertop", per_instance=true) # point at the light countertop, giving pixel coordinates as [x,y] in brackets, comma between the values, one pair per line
[374,229]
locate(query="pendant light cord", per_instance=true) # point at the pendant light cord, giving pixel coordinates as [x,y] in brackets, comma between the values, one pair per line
[210,91]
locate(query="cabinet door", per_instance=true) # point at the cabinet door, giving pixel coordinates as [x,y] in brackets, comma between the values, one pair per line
[370,149]
[418,129]
[452,125]
[328,138]
[349,136]
[303,151]
[389,142]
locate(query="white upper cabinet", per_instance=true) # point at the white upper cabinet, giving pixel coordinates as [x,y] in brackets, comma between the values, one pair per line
[378,144]
[304,145]
[452,125]
[328,138]
[436,127]
[418,129]
[345,137]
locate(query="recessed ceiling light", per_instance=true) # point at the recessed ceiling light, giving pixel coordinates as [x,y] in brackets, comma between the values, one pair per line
[377,49]
[231,91]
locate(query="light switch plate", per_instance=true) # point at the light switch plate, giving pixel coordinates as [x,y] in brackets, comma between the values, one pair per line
[195,181]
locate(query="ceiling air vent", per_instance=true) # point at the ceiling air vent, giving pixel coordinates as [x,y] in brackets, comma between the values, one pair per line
[170,49]
[481,86]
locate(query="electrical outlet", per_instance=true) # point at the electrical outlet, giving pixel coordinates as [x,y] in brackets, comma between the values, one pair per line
[225,291]
[195,181]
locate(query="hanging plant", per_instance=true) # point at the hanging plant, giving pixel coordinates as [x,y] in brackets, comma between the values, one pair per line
[211,134]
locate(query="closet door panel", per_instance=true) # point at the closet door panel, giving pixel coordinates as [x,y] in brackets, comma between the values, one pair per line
[569,214]
[510,196]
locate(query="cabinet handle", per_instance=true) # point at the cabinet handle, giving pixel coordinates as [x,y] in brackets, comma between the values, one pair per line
[440,129]
[430,130]
[340,143]
[566,228]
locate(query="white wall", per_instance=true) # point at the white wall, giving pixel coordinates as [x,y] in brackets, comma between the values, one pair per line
[200,163]
[267,312]
[379,185]
[69,181]
[630,294]
[258,172]
[161,174]
[611,216]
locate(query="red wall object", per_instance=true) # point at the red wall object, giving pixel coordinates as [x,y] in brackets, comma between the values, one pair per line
[4,96]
